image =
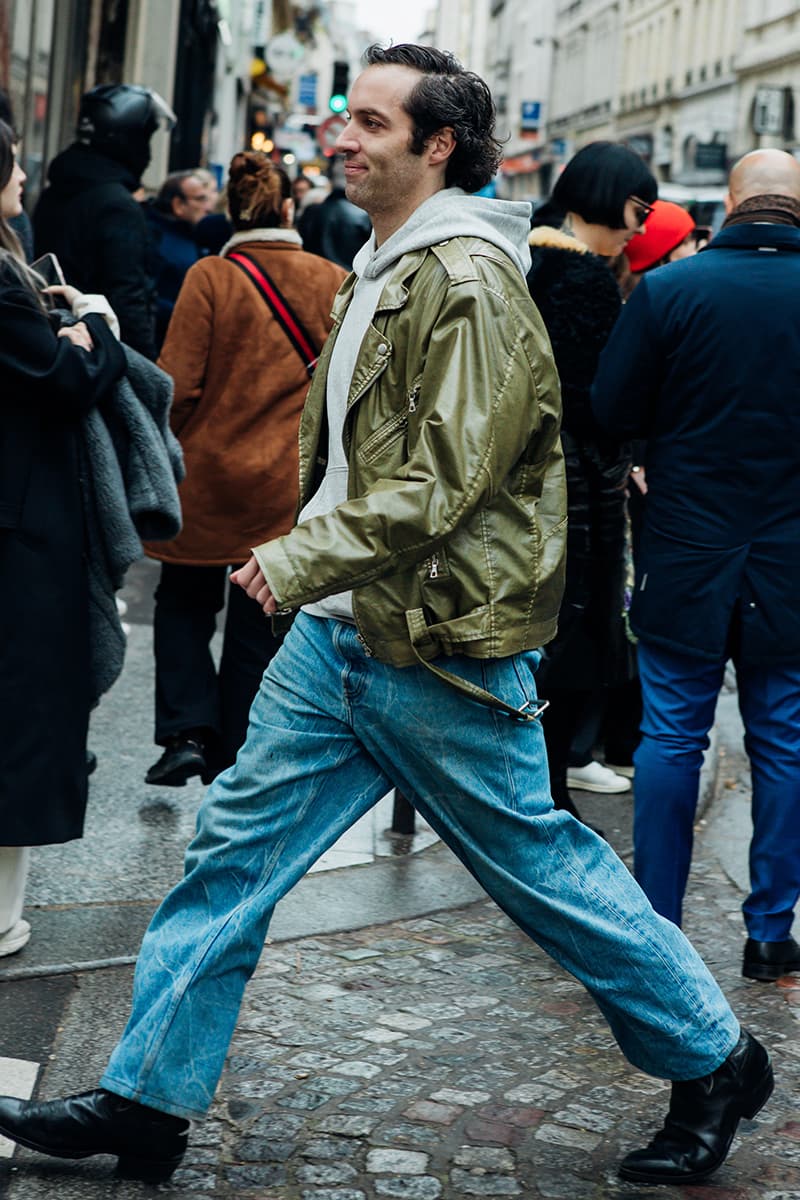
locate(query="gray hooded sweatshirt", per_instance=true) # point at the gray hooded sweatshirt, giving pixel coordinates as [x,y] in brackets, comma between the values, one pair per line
[447,214]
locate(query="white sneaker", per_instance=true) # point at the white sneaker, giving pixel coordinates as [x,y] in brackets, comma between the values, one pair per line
[594,777]
[627,770]
[15,938]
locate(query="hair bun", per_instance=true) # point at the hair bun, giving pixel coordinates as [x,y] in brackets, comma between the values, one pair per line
[256,189]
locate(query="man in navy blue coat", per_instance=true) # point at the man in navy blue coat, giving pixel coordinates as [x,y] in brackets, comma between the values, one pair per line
[704,364]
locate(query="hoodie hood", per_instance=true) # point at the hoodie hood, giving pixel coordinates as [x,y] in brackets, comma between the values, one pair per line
[81,167]
[451,213]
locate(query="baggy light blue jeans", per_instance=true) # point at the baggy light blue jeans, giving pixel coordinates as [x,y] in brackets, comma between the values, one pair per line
[679,695]
[331,730]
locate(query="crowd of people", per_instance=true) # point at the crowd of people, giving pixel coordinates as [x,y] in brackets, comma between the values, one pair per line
[443,457]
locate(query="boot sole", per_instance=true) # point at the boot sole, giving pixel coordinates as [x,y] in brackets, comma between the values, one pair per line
[150,1170]
[763,1092]
[178,777]
[769,973]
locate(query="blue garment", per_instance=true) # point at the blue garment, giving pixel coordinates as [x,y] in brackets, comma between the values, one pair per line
[704,363]
[680,695]
[330,731]
[175,248]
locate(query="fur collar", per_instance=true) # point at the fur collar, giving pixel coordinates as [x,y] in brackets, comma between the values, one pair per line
[556,239]
[262,235]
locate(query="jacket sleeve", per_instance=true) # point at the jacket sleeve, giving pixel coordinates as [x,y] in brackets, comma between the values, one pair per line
[123,243]
[627,384]
[184,354]
[52,370]
[486,368]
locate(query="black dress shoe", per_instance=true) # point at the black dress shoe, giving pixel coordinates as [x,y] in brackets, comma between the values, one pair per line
[702,1119]
[184,757]
[149,1144]
[768,961]
[91,762]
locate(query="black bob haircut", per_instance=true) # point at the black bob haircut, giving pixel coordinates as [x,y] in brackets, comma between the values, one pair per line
[598,180]
[448,96]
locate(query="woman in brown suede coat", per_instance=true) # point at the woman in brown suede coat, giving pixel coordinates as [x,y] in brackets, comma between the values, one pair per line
[240,383]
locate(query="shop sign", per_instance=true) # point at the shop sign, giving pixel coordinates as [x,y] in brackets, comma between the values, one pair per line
[768,111]
[530,116]
[711,156]
[307,90]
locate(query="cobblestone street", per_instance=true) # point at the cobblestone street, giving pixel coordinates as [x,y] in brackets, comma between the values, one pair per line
[447,1057]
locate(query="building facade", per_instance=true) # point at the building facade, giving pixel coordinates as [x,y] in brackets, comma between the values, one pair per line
[51,51]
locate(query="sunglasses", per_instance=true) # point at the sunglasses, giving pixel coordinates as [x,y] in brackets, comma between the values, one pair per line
[641,208]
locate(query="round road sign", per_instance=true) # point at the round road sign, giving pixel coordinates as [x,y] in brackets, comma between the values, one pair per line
[328,132]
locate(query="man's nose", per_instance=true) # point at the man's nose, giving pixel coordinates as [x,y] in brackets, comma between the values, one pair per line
[346,139]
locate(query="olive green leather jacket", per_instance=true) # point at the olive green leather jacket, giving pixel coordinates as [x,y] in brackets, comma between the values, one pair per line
[453,533]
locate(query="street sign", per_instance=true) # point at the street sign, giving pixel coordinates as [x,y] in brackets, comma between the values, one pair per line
[329,131]
[307,90]
[284,55]
[530,116]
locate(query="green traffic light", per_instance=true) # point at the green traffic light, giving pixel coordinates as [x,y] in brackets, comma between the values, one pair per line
[337,103]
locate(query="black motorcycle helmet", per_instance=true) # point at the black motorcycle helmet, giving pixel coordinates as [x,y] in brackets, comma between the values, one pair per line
[118,120]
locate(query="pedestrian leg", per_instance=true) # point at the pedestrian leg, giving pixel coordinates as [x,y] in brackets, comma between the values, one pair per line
[769,699]
[14,862]
[480,779]
[247,650]
[300,780]
[679,696]
[187,600]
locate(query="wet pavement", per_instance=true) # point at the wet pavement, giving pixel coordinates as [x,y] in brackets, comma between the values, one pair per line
[400,1038]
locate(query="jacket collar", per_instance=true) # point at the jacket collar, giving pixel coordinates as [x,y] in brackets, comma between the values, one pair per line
[549,238]
[288,236]
[755,236]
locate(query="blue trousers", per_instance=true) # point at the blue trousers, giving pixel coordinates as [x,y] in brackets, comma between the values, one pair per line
[680,696]
[330,731]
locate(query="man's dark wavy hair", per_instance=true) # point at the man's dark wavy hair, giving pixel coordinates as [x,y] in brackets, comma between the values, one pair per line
[448,96]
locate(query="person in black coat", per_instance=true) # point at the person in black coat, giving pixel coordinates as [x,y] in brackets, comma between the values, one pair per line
[48,379]
[705,365]
[600,201]
[88,217]
[335,229]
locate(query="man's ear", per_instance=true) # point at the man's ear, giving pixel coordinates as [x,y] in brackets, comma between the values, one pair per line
[174,202]
[440,145]
[728,201]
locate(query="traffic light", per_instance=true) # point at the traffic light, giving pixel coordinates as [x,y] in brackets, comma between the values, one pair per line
[341,78]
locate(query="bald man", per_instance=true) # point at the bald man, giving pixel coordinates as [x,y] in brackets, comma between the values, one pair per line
[763,173]
[705,365]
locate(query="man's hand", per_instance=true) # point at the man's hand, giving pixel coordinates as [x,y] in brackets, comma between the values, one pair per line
[251,578]
[77,334]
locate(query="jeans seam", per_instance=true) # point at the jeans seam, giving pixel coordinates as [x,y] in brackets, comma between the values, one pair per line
[623,919]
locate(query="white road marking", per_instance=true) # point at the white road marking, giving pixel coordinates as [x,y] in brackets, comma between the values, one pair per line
[17,1078]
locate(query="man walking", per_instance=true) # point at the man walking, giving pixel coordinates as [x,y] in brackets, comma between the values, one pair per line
[705,364]
[428,566]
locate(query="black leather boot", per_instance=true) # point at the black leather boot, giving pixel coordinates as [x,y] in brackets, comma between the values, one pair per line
[183,758]
[768,961]
[702,1119]
[149,1144]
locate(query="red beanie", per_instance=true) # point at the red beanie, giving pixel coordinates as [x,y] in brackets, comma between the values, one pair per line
[664,230]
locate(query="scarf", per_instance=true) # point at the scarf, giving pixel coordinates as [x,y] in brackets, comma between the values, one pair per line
[772,209]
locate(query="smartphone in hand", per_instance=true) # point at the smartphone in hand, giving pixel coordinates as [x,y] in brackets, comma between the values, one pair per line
[49,268]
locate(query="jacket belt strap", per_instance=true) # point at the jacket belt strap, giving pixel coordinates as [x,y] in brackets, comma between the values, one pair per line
[419,635]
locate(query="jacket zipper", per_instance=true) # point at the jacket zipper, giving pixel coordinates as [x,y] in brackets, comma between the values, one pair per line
[433,570]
